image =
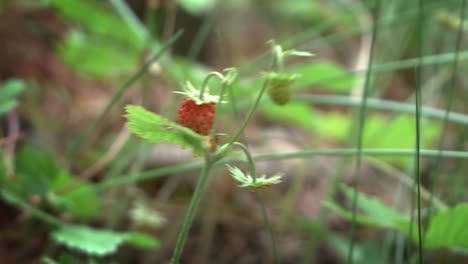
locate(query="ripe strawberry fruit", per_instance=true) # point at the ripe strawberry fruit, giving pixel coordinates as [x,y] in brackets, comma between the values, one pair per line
[198,117]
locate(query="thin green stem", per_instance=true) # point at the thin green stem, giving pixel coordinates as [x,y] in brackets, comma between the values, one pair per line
[220,101]
[255,105]
[405,180]
[14,199]
[147,175]
[338,36]
[130,18]
[365,152]
[250,114]
[458,184]
[253,171]
[384,105]
[427,60]
[344,152]
[418,125]
[207,79]
[269,228]
[448,110]
[190,214]
[251,160]
[362,116]
[118,94]
[278,51]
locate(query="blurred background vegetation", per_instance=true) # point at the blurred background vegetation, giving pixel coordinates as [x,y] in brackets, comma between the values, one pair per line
[67,156]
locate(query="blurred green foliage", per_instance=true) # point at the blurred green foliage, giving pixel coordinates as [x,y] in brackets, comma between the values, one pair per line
[100,44]
[99,242]
[447,228]
[9,91]
[38,175]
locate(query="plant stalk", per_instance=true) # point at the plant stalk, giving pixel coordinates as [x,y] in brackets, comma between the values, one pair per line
[191,213]
[207,79]
[253,171]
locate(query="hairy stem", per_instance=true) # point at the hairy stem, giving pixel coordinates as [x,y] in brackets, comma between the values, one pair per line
[221,95]
[254,107]
[250,114]
[269,228]
[190,214]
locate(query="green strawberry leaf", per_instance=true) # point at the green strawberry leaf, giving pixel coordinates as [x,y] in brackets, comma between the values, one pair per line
[89,240]
[99,242]
[11,89]
[37,174]
[448,228]
[82,202]
[104,45]
[372,212]
[294,113]
[142,241]
[377,210]
[157,129]
[324,74]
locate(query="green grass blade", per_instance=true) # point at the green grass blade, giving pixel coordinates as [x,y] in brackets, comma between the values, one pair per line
[418,125]
[384,105]
[428,60]
[130,18]
[14,199]
[203,33]
[449,101]
[361,121]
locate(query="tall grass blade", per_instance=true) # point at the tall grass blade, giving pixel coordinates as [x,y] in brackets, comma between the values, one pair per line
[362,115]
[448,111]
[418,124]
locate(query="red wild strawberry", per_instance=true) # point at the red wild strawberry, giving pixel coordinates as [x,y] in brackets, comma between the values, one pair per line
[198,117]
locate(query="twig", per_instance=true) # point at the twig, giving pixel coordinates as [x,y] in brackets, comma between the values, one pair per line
[117,145]
[100,164]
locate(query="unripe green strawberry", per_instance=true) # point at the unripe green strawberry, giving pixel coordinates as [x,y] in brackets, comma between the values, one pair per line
[280,87]
[198,117]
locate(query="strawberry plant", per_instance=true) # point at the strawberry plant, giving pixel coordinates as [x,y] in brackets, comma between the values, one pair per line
[122,141]
[198,114]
